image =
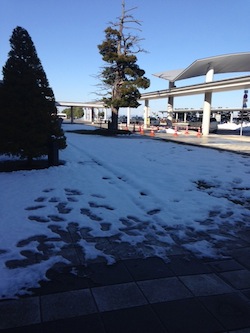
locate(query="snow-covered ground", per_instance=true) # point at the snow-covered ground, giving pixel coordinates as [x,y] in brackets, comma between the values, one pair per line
[119,196]
[234,126]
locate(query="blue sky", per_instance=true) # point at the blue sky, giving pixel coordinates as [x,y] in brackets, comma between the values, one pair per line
[175,33]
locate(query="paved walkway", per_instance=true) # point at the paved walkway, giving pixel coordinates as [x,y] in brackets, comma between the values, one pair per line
[224,140]
[184,294]
[139,295]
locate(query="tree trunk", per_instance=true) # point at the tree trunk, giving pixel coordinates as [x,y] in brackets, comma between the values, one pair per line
[114,118]
[29,161]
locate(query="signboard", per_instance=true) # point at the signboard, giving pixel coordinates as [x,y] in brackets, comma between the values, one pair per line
[245,99]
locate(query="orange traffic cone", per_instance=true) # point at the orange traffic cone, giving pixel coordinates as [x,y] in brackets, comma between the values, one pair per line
[175,131]
[142,131]
[199,133]
[186,132]
[152,133]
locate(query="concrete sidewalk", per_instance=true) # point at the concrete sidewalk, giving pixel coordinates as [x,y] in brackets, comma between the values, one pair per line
[185,294]
[224,140]
[182,294]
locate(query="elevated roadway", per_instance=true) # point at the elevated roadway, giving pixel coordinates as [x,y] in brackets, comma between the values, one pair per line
[202,88]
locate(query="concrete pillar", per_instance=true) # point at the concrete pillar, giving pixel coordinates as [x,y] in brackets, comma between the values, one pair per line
[105,114]
[170,102]
[185,117]
[92,113]
[128,116]
[71,115]
[88,114]
[231,117]
[207,104]
[210,74]
[206,113]
[146,113]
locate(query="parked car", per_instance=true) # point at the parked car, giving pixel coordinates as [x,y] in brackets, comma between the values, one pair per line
[136,120]
[122,120]
[154,121]
[196,123]
[62,115]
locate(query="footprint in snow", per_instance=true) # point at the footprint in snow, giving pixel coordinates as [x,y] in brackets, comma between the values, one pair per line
[153,211]
[98,196]
[95,205]
[41,219]
[48,190]
[62,209]
[87,212]
[72,191]
[35,207]
[105,226]
[41,199]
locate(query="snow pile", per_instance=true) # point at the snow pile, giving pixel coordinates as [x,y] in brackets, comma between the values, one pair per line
[234,126]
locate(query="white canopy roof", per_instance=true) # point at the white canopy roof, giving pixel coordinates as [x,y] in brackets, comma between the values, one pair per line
[229,63]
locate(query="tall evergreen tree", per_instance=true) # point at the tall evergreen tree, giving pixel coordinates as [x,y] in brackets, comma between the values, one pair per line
[28,120]
[122,77]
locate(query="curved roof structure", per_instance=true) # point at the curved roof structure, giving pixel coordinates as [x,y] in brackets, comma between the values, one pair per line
[229,63]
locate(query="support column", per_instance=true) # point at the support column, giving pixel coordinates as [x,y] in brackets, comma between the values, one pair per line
[207,104]
[185,117]
[84,114]
[105,114]
[206,113]
[71,115]
[146,113]
[92,113]
[170,102]
[128,116]
[231,116]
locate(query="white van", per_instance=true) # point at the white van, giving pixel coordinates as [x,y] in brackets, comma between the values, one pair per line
[196,123]
[62,115]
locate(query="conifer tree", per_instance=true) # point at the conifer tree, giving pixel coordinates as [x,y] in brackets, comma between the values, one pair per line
[122,77]
[28,120]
